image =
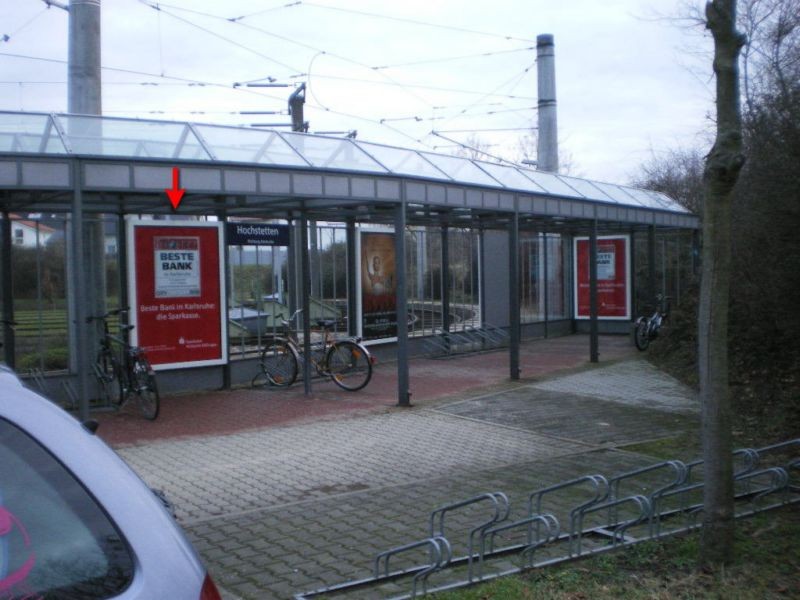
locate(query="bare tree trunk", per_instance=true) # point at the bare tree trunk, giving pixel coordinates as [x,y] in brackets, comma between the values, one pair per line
[722,168]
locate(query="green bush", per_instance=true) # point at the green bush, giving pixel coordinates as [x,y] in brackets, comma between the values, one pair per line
[54,359]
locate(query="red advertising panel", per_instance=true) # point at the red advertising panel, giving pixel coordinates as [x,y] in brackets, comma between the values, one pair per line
[613,277]
[176,293]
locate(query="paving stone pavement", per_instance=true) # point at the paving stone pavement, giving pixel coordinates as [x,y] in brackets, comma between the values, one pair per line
[221,475]
[278,511]
[633,382]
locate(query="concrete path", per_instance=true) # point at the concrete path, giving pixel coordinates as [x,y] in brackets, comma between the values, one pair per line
[288,508]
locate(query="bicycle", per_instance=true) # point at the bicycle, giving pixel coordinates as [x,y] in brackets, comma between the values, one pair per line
[346,361]
[125,370]
[646,328]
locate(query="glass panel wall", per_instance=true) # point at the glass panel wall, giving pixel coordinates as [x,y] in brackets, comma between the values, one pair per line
[463,279]
[39,284]
[424,279]
[543,258]
[558,250]
[531,278]
[328,262]
[258,292]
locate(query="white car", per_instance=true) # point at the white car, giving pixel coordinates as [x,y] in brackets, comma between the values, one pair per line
[75,521]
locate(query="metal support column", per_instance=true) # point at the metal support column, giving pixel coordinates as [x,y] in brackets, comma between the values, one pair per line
[304,289]
[632,271]
[482,275]
[546,277]
[403,394]
[122,266]
[352,287]
[80,343]
[513,290]
[594,355]
[314,264]
[291,264]
[8,295]
[651,263]
[226,268]
[445,283]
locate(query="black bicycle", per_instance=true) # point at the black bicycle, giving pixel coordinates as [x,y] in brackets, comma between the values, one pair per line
[647,327]
[346,361]
[122,371]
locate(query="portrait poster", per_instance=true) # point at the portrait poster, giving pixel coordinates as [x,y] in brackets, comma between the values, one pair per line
[177,292]
[613,278]
[378,286]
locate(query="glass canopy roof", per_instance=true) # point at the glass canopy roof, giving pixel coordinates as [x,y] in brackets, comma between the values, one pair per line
[60,134]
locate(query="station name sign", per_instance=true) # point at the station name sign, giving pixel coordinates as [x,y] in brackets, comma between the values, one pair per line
[257,234]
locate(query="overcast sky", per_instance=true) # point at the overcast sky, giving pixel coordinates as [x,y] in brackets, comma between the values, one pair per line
[629,85]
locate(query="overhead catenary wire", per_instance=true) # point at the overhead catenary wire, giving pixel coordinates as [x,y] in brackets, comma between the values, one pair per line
[174,80]
[430,61]
[417,22]
[184,80]
[158,7]
[478,130]
[261,12]
[426,87]
[7,37]
[499,159]
[319,51]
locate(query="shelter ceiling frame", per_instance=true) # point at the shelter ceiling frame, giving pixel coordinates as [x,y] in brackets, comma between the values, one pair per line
[87,164]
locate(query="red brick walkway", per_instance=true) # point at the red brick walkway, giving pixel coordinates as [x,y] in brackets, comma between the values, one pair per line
[222,412]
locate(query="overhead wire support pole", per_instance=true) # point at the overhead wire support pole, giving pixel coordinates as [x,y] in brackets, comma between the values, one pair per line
[547,146]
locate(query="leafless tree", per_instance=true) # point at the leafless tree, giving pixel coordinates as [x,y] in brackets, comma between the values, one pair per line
[722,168]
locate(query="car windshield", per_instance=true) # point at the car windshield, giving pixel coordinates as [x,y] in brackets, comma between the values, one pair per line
[55,541]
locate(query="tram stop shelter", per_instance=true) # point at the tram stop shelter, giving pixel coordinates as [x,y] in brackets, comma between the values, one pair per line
[81,166]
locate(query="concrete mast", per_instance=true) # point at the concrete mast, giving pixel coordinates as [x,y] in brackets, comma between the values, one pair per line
[547,149]
[84,96]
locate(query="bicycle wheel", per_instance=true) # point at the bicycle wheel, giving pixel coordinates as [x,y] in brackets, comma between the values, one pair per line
[106,371]
[279,363]
[145,388]
[349,365]
[642,334]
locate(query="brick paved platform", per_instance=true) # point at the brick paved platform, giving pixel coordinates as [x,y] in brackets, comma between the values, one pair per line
[218,412]
[290,500]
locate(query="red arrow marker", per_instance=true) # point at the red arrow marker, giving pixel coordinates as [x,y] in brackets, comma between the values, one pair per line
[176,193]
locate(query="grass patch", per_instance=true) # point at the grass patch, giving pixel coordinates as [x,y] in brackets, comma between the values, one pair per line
[767,565]
[684,446]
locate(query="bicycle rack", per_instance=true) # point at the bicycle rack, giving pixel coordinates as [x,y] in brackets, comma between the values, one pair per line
[72,395]
[37,376]
[471,339]
[501,512]
[628,519]
[440,554]
[601,490]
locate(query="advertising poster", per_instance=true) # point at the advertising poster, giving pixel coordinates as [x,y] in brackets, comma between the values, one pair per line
[177,292]
[378,286]
[613,277]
